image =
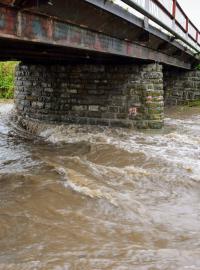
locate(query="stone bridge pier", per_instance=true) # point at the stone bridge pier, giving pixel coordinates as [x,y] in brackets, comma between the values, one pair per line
[112,95]
[130,95]
[181,86]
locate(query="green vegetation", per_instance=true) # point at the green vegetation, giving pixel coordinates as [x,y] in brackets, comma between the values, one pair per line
[7,79]
[190,103]
[198,67]
[194,103]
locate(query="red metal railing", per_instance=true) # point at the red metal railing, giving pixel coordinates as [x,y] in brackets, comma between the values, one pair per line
[182,20]
[169,15]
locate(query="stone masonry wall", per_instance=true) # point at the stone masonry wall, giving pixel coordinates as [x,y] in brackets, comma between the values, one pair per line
[181,86]
[120,95]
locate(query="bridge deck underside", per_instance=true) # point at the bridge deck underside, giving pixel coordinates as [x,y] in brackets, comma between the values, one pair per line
[29,35]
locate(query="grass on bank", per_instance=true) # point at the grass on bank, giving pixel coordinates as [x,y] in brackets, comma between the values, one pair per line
[198,67]
[194,103]
[7,79]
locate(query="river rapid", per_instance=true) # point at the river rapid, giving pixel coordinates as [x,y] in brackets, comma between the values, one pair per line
[94,198]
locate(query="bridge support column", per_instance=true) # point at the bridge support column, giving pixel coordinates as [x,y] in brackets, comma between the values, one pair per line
[110,95]
[181,86]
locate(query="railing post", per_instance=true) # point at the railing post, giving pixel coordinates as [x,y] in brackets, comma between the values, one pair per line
[186,28]
[174,9]
[187,25]
[197,36]
[147,8]
[174,15]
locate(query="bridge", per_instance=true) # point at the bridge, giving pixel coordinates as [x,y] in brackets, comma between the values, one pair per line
[99,61]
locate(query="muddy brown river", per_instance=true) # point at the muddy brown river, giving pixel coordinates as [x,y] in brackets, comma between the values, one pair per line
[94,198]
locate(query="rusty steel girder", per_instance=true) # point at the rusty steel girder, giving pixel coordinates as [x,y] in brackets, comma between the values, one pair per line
[27,27]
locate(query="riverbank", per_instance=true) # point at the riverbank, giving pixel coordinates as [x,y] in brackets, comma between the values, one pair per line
[182,111]
[3,100]
[7,71]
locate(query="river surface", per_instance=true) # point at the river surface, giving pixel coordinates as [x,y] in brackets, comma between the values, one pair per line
[94,198]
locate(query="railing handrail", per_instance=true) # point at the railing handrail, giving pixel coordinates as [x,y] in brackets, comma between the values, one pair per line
[191,39]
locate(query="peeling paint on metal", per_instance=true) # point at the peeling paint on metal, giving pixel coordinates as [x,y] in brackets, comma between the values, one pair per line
[37,28]
[2,21]
[8,21]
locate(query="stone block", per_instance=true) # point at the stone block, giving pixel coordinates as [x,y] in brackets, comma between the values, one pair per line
[79,108]
[93,108]
[113,109]
[72,91]
[108,115]
[48,89]
[27,83]
[96,92]
[122,116]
